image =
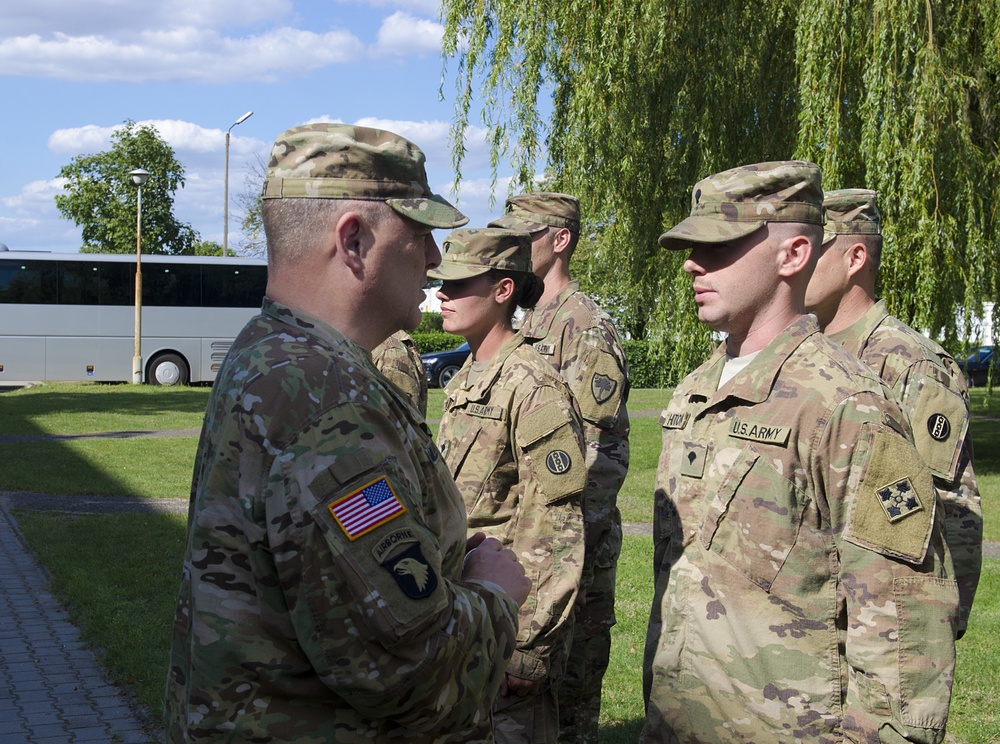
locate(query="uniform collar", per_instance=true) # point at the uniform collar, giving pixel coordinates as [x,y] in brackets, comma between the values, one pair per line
[537,321]
[855,337]
[480,389]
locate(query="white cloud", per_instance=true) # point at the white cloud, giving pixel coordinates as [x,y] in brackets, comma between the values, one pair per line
[184,137]
[424,7]
[402,35]
[35,198]
[122,18]
[180,53]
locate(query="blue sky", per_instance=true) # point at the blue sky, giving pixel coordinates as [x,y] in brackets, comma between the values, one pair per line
[71,71]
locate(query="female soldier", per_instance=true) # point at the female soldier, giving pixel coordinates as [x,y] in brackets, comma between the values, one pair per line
[511,434]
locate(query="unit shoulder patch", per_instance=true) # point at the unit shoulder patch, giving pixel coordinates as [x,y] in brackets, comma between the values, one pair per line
[891,498]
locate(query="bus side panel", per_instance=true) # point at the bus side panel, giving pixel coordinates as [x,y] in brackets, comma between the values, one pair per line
[22,358]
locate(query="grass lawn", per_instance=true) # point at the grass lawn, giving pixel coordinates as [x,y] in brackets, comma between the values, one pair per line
[119,573]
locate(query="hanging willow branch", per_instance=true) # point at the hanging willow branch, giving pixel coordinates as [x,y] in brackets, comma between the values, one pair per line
[635,100]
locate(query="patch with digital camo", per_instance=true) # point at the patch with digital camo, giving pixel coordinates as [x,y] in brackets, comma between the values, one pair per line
[891,499]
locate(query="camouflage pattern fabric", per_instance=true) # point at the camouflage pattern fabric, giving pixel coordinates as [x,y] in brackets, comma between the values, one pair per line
[340,161]
[321,598]
[851,212]
[398,359]
[931,390]
[513,440]
[476,250]
[579,340]
[739,201]
[803,588]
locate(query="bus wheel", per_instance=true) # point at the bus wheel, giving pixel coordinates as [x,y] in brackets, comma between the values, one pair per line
[168,369]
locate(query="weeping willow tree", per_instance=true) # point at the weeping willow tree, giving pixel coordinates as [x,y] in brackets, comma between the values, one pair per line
[635,100]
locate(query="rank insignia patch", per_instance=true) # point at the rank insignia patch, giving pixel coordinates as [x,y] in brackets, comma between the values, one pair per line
[899,500]
[366,508]
[412,572]
[602,387]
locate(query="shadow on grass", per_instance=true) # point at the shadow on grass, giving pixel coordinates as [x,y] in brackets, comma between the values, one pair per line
[622,732]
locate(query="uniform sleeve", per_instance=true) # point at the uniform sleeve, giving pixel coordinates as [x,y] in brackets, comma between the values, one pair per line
[937,407]
[373,593]
[899,602]
[405,371]
[549,537]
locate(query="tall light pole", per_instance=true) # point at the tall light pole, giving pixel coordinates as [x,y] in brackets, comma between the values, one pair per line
[139,178]
[225,228]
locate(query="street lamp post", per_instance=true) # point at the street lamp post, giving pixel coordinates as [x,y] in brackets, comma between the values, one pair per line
[225,228]
[139,178]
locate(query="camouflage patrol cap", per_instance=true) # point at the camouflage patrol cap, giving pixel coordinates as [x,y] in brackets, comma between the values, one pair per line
[851,212]
[736,202]
[474,251]
[342,161]
[538,211]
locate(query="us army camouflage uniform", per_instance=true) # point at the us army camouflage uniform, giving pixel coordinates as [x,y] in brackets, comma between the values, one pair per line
[514,443]
[803,591]
[581,343]
[398,359]
[296,623]
[931,390]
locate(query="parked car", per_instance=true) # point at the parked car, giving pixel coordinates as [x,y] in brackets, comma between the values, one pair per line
[441,366]
[976,364]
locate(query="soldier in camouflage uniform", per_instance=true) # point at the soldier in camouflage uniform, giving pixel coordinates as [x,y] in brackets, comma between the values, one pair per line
[803,587]
[924,378]
[398,359]
[512,436]
[580,341]
[328,591]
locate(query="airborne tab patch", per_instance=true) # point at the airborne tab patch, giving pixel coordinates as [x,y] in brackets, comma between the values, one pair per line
[899,500]
[760,432]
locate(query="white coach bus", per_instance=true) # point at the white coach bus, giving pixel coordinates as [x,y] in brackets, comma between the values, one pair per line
[71,316]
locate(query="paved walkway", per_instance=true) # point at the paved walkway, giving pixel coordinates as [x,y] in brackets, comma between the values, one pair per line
[51,686]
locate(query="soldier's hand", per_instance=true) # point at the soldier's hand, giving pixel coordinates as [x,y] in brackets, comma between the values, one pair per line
[518,686]
[489,560]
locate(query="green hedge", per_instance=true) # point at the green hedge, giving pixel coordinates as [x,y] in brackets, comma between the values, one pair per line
[647,368]
[435,341]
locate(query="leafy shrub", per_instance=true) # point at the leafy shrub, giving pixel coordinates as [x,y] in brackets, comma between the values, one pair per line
[647,366]
[430,323]
[435,341]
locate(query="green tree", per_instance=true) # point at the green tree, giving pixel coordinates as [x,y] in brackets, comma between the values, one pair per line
[206,248]
[100,196]
[636,100]
[253,242]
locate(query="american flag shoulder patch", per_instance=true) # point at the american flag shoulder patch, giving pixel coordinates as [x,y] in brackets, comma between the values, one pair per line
[366,508]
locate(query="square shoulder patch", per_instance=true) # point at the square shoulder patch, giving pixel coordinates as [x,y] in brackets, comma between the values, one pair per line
[891,499]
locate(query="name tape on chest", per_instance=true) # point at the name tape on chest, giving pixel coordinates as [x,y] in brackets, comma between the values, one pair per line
[483,411]
[546,349]
[755,432]
[674,420]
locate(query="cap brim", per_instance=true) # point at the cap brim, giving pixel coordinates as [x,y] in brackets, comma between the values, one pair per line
[829,237]
[448,271]
[510,222]
[705,230]
[434,210]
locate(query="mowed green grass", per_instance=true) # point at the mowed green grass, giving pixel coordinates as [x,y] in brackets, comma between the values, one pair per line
[119,573]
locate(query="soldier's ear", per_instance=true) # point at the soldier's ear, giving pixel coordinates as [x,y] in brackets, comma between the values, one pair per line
[857,258]
[348,240]
[794,254]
